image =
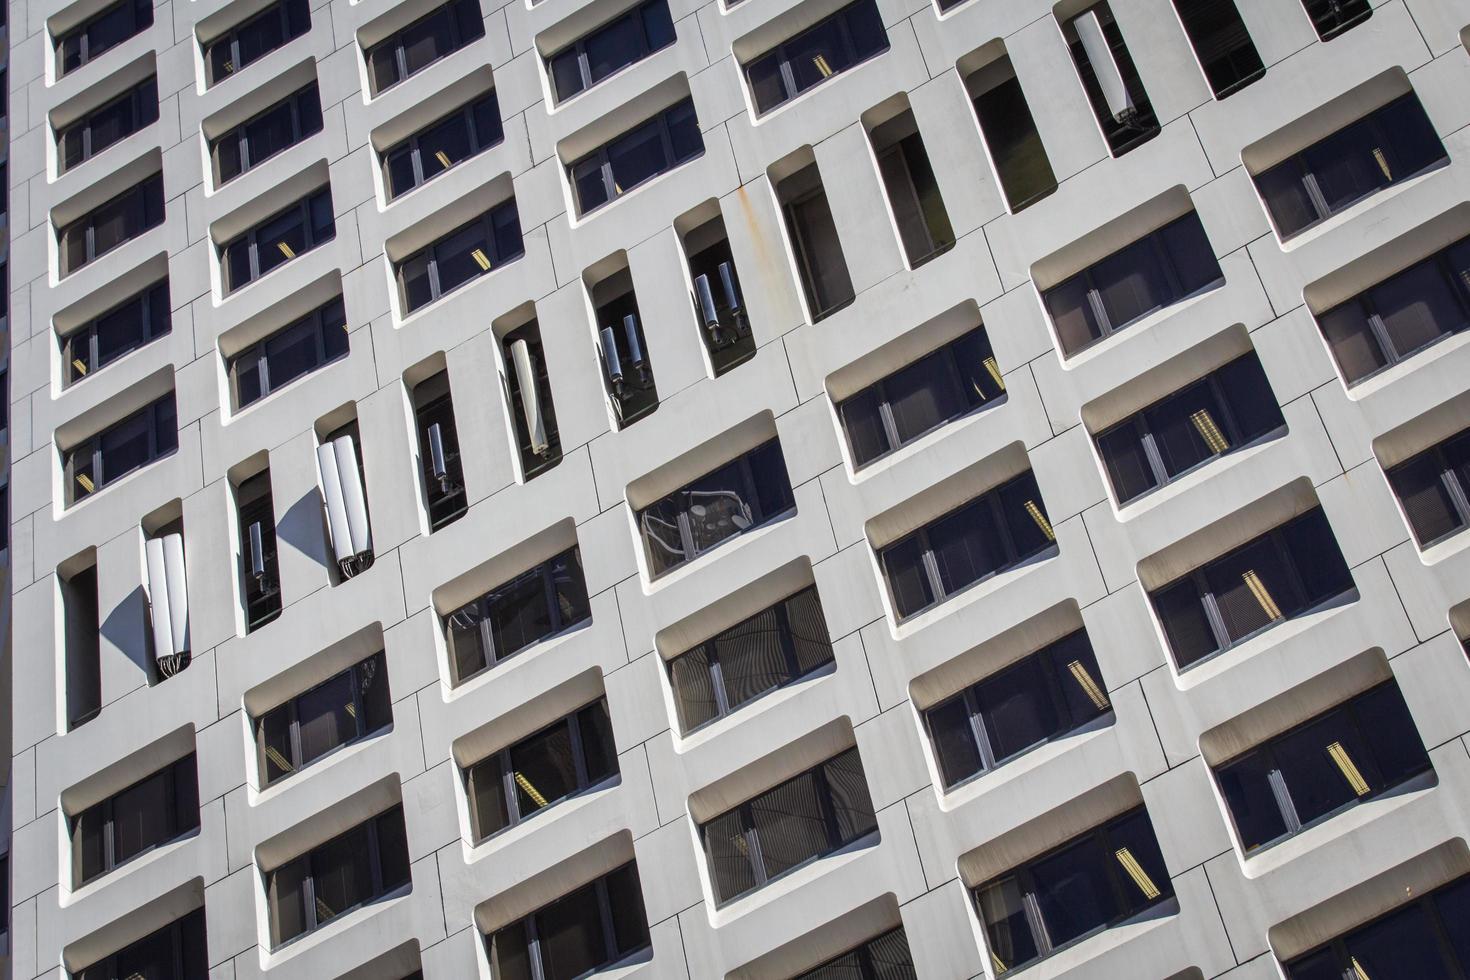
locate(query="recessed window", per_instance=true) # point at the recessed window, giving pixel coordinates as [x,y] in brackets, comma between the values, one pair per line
[1091,883]
[778,645]
[532,411]
[541,770]
[577,935]
[1278,576]
[993,533]
[292,352]
[1389,145]
[1345,756]
[81,627]
[1221,42]
[147,435]
[257,37]
[1401,316]
[447,141]
[719,303]
[124,328]
[112,223]
[1424,937]
[798,821]
[1040,698]
[344,708]
[1332,17]
[110,123]
[436,35]
[433,412]
[812,232]
[259,577]
[615,45]
[913,191]
[466,253]
[155,810]
[262,136]
[939,387]
[737,497]
[654,147]
[278,239]
[831,46]
[337,877]
[536,605]
[884,957]
[1154,272]
[1110,79]
[1011,137]
[1226,410]
[105,30]
[178,951]
[1433,487]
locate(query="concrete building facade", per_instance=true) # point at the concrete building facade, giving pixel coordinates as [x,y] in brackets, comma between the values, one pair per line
[718,488]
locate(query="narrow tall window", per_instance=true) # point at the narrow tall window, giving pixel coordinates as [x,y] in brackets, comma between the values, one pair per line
[1332,17]
[577,935]
[157,809]
[1110,79]
[1409,311]
[778,645]
[109,123]
[828,48]
[611,47]
[443,474]
[337,877]
[813,234]
[344,708]
[1156,271]
[292,352]
[789,825]
[1278,576]
[1040,698]
[1091,883]
[953,380]
[104,30]
[178,951]
[1221,43]
[133,323]
[719,304]
[739,496]
[278,239]
[884,957]
[1433,487]
[1346,755]
[259,577]
[563,759]
[533,414]
[267,133]
[436,35]
[997,531]
[255,38]
[112,223]
[1011,138]
[653,147]
[913,191]
[447,141]
[627,365]
[1423,937]
[534,606]
[81,640]
[147,435]
[466,253]
[1226,410]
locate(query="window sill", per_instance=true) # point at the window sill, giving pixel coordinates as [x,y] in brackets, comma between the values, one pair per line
[696,738]
[1088,946]
[905,628]
[1039,756]
[1357,209]
[1203,472]
[793,879]
[1268,636]
[1384,377]
[321,763]
[120,872]
[1101,346]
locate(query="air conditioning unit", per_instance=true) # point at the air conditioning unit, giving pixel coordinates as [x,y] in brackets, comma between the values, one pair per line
[168,602]
[521,364]
[346,503]
[1100,55]
[704,301]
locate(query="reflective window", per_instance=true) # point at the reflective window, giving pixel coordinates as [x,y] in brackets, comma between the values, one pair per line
[1222,44]
[112,223]
[155,810]
[342,709]
[147,435]
[615,45]
[278,128]
[466,253]
[831,46]
[443,143]
[1123,110]
[884,957]
[109,123]
[278,239]
[1434,489]
[292,352]
[1423,938]
[578,934]
[178,951]
[257,531]
[102,31]
[1332,17]
[257,37]
[433,36]
[124,328]
[653,147]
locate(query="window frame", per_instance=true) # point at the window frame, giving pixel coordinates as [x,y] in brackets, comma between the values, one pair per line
[782,53]
[1341,21]
[141,16]
[1456,488]
[429,254]
[1427,905]
[295,21]
[531,926]
[316,324]
[157,319]
[302,128]
[144,107]
[578,48]
[163,441]
[148,192]
[411,143]
[292,710]
[454,10]
[177,789]
[602,156]
[250,239]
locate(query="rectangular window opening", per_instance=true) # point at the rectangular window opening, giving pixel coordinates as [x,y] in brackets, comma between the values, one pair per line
[345,708]
[820,264]
[913,191]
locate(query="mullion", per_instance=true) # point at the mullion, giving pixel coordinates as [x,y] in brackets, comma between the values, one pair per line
[1211,607]
[979,729]
[885,417]
[1459,496]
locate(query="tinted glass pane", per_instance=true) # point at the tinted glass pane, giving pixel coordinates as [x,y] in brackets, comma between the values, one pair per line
[1410,135]
[598,750]
[151,958]
[372,689]
[729,855]
[444,145]
[1353,344]
[752,658]
[427,40]
[824,269]
[1131,283]
[1453,904]
[509,954]
[341,875]
[789,824]
[465,640]
[543,768]
[519,615]
[1183,618]
[684,132]
[487,788]
[767,87]
[1015,146]
[140,817]
[980,378]
[1325,765]
[461,257]
[1425,498]
[1188,428]
[288,901]
[1417,306]
[1317,559]
[863,423]
[1072,314]
[270,134]
[1221,42]
[275,741]
[658,25]
[1319,966]
[852,806]
[572,941]
[923,395]
[808,628]
[817,55]
[865,27]
[566,73]
[1345,168]
[625,900]
[1397,750]
[1252,403]
[1400,946]
[954,741]
[1246,786]
[637,157]
[1024,513]
[417,287]
[327,716]
[693,688]
[1284,190]
[1007,932]
[393,850]
[903,566]
[1084,693]
[967,546]
[1127,464]
[1252,589]
[1073,892]
[1017,708]
[1138,863]
[486,114]
[263,34]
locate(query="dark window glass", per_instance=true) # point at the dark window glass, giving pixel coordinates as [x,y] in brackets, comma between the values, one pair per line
[439,451]
[278,239]
[913,191]
[178,951]
[1091,883]
[993,533]
[528,389]
[280,127]
[1423,938]
[295,350]
[1389,145]
[776,646]
[81,628]
[111,224]
[831,46]
[147,435]
[1127,123]
[791,824]
[916,399]
[1052,692]
[433,36]
[255,38]
[739,496]
[104,30]
[576,935]
[449,140]
[630,37]
[468,252]
[108,124]
[1158,270]
[1222,44]
[813,236]
[160,808]
[1016,150]
[1433,487]
[653,147]
[339,711]
[257,530]
[1332,17]
[124,328]
[533,606]
[332,879]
